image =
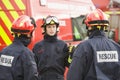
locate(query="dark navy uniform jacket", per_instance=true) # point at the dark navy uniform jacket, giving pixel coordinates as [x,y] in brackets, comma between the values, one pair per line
[51,58]
[97,58]
[17,63]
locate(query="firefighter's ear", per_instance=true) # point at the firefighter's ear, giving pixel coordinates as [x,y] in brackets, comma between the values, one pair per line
[43,30]
[58,29]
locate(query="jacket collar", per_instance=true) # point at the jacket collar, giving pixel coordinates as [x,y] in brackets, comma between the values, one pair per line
[50,38]
[97,33]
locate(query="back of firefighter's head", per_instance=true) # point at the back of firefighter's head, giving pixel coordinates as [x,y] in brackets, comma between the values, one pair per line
[50,25]
[97,20]
[23,27]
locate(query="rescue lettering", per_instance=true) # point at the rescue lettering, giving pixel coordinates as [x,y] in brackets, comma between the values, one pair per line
[6,60]
[107,56]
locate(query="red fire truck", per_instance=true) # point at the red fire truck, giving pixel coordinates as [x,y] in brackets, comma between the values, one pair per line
[69,12]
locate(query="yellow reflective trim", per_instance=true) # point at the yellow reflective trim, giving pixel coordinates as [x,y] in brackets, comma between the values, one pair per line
[110,12]
[4,36]
[20,4]
[7,4]
[69,59]
[5,19]
[14,14]
[70,48]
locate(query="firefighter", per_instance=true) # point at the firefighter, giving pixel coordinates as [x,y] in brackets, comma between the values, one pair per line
[51,53]
[17,61]
[97,58]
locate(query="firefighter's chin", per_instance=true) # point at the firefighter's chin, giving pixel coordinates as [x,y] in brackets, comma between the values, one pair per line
[52,34]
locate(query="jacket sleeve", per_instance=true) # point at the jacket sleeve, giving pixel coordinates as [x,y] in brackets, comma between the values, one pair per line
[66,52]
[34,50]
[78,65]
[29,66]
[71,51]
[37,50]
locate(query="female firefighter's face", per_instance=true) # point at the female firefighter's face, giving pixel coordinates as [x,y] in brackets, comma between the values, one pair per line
[51,29]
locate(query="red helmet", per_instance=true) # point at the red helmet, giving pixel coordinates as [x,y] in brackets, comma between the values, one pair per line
[96,17]
[23,25]
[50,20]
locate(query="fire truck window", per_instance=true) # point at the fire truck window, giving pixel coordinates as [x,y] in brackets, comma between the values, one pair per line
[78,28]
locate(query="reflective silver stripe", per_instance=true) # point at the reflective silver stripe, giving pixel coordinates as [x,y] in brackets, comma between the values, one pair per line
[107,56]
[6,60]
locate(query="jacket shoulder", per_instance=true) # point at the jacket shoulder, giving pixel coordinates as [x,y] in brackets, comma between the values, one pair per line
[61,41]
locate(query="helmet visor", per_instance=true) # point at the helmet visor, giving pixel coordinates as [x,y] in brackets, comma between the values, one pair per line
[49,19]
